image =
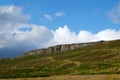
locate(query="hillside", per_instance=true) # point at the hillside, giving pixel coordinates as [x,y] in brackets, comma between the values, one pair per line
[58,49]
[89,58]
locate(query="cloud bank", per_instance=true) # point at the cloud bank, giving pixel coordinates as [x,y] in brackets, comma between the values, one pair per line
[17,35]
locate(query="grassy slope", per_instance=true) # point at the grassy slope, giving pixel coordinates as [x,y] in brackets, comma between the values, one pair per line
[99,59]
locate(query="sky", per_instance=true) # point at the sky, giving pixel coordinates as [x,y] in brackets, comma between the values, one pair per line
[31,24]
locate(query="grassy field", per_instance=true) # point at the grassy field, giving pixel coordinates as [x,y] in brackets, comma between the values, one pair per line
[75,77]
[103,58]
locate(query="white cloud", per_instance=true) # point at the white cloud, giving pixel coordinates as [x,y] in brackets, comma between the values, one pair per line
[22,41]
[53,16]
[108,34]
[58,14]
[63,35]
[12,39]
[11,17]
[48,17]
[85,36]
[37,36]
[12,14]
[114,14]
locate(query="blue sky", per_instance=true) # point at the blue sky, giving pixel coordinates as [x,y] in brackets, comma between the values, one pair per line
[44,23]
[79,14]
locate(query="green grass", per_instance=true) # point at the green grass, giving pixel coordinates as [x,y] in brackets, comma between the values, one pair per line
[102,58]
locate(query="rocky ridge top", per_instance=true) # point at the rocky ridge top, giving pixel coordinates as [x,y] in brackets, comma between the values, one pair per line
[58,48]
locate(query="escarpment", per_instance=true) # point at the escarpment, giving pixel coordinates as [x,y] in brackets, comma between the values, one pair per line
[58,48]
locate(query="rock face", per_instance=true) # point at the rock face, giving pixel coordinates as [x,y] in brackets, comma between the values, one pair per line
[58,49]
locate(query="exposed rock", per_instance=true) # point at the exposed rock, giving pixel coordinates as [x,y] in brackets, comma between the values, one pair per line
[59,48]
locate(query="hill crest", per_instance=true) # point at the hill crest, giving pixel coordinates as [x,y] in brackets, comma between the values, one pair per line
[59,48]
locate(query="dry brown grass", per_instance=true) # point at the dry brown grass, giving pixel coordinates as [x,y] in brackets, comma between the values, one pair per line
[75,77]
